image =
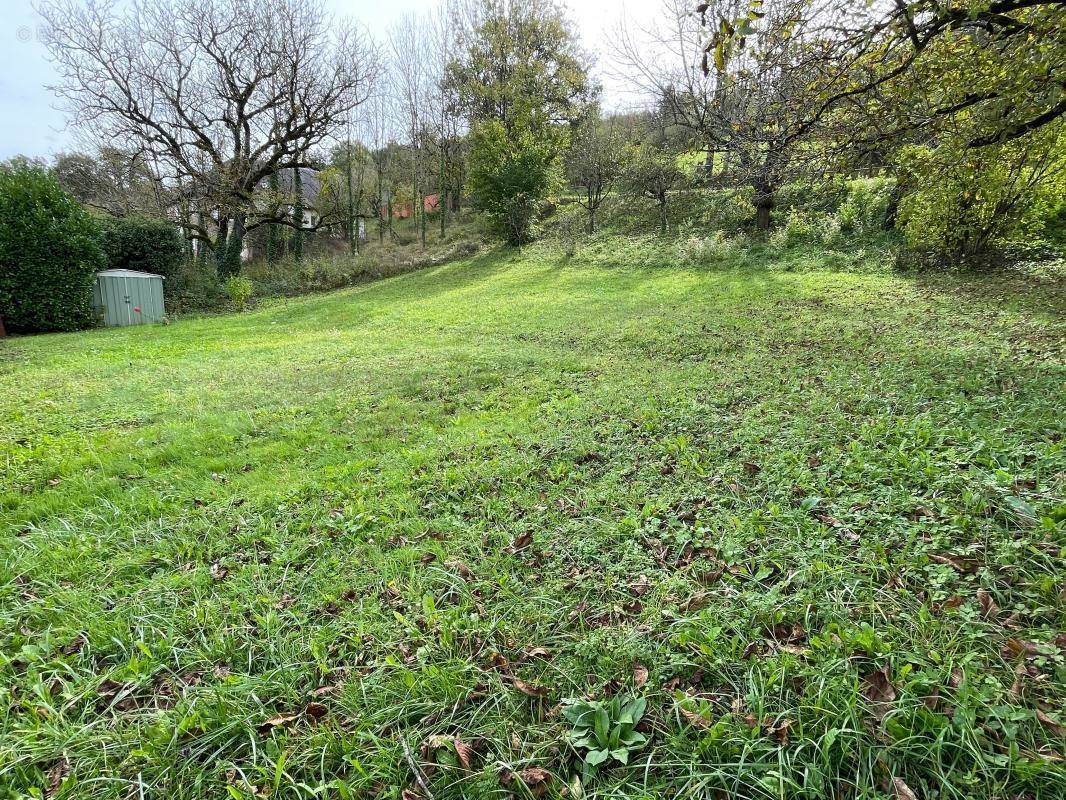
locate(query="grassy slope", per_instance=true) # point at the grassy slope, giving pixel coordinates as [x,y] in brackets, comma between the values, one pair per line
[203,524]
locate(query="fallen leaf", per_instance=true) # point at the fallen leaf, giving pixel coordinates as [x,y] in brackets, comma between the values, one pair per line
[640,675]
[461,569]
[902,791]
[316,710]
[529,689]
[56,776]
[218,572]
[280,721]
[410,794]
[465,753]
[538,652]
[536,779]
[986,603]
[751,469]
[779,730]
[957,563]
[878,690]
[1050,724]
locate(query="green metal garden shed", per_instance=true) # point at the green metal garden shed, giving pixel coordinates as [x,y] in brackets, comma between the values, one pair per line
[128,297]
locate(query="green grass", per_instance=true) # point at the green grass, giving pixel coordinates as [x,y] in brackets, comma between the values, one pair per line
[262,555]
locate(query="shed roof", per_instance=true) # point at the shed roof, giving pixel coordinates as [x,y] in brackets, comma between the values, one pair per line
[128,273]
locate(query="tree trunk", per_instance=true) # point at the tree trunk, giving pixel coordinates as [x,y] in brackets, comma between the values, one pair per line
[234,246]
[298,214]
[353,235]
[663,219]
[422,208]
[592,221]
[274,245]
[220,244]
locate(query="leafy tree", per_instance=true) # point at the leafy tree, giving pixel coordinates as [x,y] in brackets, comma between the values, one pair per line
[653,172]
[511,176]
[49,254]
[593,163]
[519,64]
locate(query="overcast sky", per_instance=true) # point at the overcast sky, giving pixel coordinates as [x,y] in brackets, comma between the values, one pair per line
[31,125]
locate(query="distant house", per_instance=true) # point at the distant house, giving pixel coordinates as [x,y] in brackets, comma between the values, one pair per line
[431,202]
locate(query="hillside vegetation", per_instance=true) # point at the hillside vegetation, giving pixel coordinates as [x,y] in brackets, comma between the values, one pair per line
[365,544]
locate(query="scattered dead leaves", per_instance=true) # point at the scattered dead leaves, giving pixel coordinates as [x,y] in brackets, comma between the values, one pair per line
[536,779]
[879,692]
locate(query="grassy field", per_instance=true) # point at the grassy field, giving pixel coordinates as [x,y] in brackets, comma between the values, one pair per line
[366,544]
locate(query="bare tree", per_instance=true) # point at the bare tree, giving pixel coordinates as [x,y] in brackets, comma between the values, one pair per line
[222,94]
[594,163]
[411,41]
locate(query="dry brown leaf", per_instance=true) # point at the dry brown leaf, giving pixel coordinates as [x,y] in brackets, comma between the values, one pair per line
[539,652]
[1050,724]
[694,718]
[779,730]
[878,690]
[461,569]
[536,779]
[465,753]
[957,563]
[640,675]
[316,710]
[279,721]
[529,689]
[56,776]
[902,791]
[410,794]
[986,603]
[218,572]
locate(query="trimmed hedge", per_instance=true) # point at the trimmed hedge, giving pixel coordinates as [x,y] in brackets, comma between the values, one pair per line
[49,254]
[146,245]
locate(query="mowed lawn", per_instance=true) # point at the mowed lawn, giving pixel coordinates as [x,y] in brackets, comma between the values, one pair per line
[815,518]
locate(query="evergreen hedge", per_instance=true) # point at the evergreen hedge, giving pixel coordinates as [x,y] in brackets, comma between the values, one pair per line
[145,245]
[49,254]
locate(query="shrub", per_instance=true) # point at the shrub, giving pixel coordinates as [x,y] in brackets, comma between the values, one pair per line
[146,245]
[865,204]
[512,176]
[964,204]
[49,254]
[714,249]
[239,290]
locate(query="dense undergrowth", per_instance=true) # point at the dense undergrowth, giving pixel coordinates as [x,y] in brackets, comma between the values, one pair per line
[371,543]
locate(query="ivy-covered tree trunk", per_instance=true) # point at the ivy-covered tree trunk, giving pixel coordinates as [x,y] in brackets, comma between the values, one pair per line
[353,234]
[220,245]
[298,214]
[234,246]
[275,246]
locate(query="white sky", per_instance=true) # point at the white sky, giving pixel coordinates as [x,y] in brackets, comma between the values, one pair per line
[30,125]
